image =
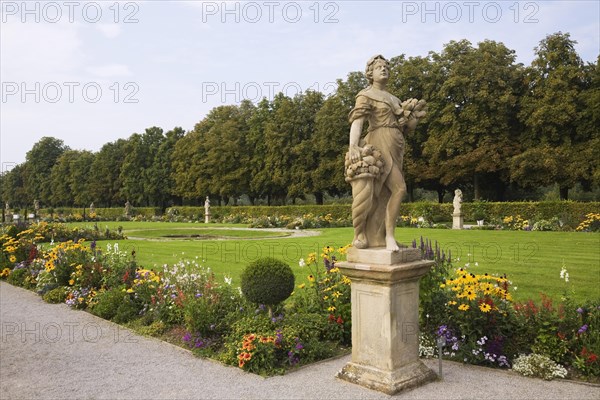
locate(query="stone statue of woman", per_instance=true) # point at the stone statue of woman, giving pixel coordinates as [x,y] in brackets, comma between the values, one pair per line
[374,163]
[457,201]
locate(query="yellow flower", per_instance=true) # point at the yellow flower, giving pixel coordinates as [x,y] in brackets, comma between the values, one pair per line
[484,307]
[71,282]
[13,259]
[325,297]
[451,303]
[312,258]
[331,309]
[471,295]
[463,307]
[311,278]
[301,286]
[130,290]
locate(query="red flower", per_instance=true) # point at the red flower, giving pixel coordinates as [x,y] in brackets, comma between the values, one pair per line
[593,358]
[331,318]
[340,321]
[126,276]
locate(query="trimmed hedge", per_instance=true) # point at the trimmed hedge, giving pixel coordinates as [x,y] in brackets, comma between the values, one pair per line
[103,214]
[571,213]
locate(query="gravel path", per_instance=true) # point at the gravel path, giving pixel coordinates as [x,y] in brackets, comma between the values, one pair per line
[48,351]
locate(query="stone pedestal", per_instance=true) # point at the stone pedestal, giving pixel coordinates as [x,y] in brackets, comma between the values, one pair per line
[206,218]
[457,221]
[385,319]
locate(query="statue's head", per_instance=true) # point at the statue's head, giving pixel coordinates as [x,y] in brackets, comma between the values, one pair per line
[458,192]
[373,61]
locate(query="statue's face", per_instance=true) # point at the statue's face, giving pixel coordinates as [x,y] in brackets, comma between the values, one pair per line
[380,72]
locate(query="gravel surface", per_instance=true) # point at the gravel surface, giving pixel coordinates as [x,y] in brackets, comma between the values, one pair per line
[48,351]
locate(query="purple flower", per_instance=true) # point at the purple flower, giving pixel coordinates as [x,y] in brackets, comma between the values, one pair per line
[299,346]
[442,330]
[583,329]
[187,337]
[580,310]
[198,295]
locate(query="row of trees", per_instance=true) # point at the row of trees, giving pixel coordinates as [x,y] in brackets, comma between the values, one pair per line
[493,126]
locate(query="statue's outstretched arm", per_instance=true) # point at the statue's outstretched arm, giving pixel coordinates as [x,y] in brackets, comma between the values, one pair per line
[355,132]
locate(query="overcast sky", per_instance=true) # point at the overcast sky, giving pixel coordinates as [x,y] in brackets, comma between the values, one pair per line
[92,72]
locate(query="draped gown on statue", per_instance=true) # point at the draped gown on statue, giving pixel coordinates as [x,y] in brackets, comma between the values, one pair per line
[386,122]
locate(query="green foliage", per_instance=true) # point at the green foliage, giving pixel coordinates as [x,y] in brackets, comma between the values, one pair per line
[115,304]
[267,281]
[56,295]
[211,313]
[269,346]
[18,277]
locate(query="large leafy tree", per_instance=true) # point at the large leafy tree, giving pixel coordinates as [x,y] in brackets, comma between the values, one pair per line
[214,159]
[331,137]
[159,174]
[472,115]
[550,111]
[305,156]
[70,179]
[259,175]
[38,165]
[13,187]
[280,137]
[139,184]
[105,181]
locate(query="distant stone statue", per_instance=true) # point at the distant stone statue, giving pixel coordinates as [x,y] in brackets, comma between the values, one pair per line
[92,208]
[128,209]
[36,206]
[457,201]
[207,210]
[373,164]
[457,218]
[7,208]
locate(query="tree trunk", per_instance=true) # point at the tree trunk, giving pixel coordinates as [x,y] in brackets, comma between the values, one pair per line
[409,191]
[564,192]
[476,191]
[440,192]
[319,198]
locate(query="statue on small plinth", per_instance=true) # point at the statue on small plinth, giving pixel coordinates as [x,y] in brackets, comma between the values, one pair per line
[457,219]
[207,210]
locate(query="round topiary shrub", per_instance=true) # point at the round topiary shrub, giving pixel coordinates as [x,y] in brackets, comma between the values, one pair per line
[267,281]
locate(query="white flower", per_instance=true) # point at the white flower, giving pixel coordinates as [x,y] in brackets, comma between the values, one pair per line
[476,264]
[228,280]
[302,263]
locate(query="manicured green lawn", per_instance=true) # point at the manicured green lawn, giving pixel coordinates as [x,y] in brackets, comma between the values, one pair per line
[531,260]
